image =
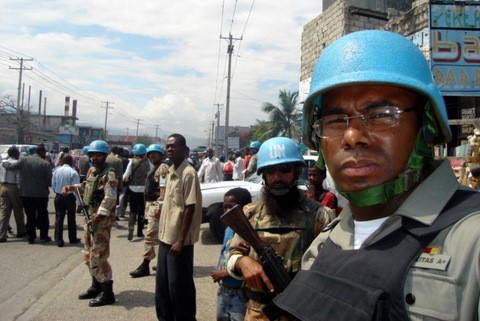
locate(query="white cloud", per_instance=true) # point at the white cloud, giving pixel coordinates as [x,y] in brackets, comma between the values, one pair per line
[158,61]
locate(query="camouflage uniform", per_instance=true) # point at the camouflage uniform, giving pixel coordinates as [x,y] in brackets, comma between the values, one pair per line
[152,210]
[289,235]
[100,195]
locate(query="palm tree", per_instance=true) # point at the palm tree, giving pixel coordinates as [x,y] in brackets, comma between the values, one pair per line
[285,119]
[262,131]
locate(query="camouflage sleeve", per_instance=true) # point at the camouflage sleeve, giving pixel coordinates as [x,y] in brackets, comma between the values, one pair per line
[110,199]
[161,178]
[324,216]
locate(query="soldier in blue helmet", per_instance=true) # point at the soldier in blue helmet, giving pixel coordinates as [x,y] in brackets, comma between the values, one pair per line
[283,217]
[407,247]
[135,175]
[154,195]
[100,195]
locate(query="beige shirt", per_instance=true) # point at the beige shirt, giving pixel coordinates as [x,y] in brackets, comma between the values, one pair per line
[446,282]
[183,188]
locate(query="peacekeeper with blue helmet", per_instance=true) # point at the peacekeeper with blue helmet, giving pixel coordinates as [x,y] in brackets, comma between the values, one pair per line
[407,247]
[251,163]
[283,217]
[100,195]
[155,184]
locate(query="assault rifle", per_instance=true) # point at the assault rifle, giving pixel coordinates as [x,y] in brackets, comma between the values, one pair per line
[272,263]
[84,208]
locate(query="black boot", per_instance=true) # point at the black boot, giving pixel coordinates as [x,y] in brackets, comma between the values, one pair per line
[92,291]
[142,270]
[107,296]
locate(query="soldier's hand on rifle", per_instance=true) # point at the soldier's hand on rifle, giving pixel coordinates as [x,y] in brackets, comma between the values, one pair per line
[253,274]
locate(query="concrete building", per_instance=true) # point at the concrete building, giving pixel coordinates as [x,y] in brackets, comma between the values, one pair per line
[425,23]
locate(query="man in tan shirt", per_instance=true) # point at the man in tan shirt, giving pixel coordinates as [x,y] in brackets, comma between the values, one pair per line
[179,229]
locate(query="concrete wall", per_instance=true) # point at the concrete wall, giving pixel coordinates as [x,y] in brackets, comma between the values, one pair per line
[340,18]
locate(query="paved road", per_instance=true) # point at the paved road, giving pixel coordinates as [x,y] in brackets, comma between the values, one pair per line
[42,281]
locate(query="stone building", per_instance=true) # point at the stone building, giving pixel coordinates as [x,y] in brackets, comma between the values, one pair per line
[414,20]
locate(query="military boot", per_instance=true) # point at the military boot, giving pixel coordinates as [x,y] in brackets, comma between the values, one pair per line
[92,291]
[107,296]
[142,270]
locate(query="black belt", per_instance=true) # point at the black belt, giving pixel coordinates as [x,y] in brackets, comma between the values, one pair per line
[5,183]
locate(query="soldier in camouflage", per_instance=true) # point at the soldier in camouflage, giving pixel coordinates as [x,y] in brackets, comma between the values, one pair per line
[154,194]
[283,217]
[100,195]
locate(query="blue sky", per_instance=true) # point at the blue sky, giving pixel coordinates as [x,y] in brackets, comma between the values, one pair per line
[158,63]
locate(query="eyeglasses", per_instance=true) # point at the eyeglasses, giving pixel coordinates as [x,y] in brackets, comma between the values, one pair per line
[377,118]
[282,168]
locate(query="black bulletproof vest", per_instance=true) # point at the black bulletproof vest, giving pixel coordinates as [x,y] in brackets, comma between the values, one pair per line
[152,191]
[367,284]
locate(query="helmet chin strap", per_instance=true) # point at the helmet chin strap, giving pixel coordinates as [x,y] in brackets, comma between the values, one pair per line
[420,158]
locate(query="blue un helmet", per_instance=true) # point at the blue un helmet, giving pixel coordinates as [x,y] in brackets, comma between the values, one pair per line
[139,149]
[98,146]
[85,150]
[255,144]
[155,148]
[374,57]
[32,149]
[278,150]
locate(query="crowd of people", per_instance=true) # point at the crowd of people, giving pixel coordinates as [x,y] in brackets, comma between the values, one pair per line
[405,247]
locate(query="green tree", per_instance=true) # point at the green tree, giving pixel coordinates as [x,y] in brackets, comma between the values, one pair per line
[10,119]
[262,131]
[285,118]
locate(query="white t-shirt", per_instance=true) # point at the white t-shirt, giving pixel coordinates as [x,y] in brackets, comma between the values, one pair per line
[363,229]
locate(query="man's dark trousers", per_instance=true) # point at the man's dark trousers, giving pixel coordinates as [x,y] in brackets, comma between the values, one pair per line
[36,210]
[65,205]
[175,297]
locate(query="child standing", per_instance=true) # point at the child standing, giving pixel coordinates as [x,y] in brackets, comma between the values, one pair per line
[230,300]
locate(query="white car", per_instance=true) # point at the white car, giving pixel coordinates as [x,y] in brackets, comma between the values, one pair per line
[22,148]
[212,201]
[212,197]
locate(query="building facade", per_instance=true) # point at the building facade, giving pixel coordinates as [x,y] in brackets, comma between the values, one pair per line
[447,32]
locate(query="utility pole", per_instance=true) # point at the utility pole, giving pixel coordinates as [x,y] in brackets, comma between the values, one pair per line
[156,134]
[20,69]
[217,117]
[138,123]
[40,112]
[107,107]
[227,108]
[210,136]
